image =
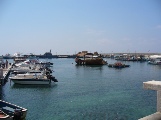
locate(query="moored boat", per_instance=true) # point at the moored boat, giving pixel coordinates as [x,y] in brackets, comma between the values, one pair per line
[11,111]
[33,79]
[118,65]
[85,58]
[90,60]
[155,60]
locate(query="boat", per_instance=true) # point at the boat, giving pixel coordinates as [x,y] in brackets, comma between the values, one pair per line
[33,79]
[31,73]
[30,66]
[10,111]
[18,59]
[7,56]
[155,60]
[118,65]
[90,61]
[33,62]
[86,58]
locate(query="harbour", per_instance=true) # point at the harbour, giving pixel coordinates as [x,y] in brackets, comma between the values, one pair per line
[88,92]
[80,60]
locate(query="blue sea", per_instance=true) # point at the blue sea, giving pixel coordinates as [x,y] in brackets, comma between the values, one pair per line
[88,92]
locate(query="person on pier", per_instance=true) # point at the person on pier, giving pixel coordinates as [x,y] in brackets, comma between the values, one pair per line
[6,63]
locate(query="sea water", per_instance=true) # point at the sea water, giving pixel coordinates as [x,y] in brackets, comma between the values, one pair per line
[88,92]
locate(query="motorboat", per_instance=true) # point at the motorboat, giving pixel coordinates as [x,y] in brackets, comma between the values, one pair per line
[29,72]
[35,61]
[33,78]
[9,111]
[155,60]
[118,65]
[29,69]
[25,69]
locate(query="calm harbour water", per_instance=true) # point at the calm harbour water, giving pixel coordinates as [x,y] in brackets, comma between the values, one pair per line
[88,93]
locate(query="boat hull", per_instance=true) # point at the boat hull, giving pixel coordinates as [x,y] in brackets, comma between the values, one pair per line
[90,61]
[32,81]
[154,63]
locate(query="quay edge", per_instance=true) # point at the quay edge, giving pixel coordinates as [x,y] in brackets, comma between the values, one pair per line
[154,85]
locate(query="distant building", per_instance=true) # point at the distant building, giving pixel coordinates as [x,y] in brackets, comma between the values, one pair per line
[46,55]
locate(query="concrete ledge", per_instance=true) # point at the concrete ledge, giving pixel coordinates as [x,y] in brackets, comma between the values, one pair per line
[152,85]
[155,116]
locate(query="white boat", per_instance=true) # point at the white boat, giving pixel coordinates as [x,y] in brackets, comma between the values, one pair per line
[7,56]
[35,61]
[26,69]
[34,73]
[11,111]
[155,60]
[33,79]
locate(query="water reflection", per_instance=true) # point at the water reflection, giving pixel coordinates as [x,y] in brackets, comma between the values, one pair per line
[90,66]
[158,66]
[1,93]
[18,86]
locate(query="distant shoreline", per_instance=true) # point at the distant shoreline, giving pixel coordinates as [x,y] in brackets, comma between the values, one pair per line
[75,55]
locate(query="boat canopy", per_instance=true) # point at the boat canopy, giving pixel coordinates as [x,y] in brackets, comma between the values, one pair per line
[155,57]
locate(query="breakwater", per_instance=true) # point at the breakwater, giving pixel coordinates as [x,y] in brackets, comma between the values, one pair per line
[75,55]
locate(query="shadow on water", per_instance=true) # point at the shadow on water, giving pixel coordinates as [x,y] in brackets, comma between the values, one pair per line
[1,93]
[18,86]
[90,65]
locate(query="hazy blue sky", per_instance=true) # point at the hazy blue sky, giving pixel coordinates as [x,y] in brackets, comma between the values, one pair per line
[70,26]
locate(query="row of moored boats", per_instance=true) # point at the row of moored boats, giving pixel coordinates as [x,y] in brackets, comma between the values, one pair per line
[32,71]
[26,72]
[98,60]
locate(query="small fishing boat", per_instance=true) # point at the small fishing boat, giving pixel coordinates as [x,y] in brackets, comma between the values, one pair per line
[118,65]
[11,111]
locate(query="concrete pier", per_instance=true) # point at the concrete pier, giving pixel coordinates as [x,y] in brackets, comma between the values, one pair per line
[154,85]
[4,73]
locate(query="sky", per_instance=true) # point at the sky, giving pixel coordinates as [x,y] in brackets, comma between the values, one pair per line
[72,26]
